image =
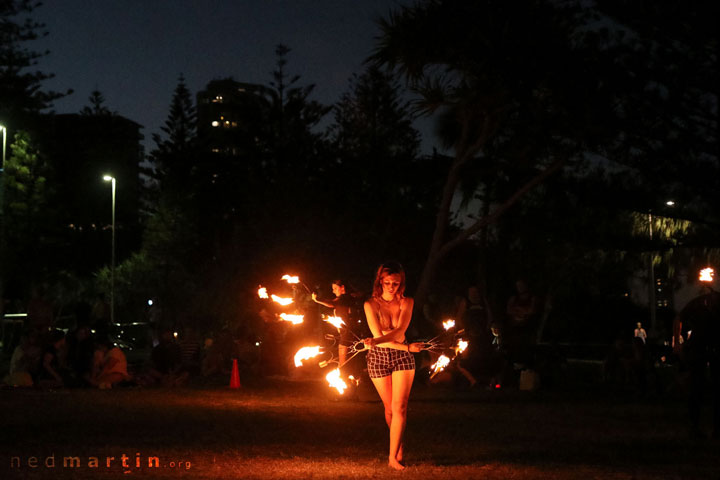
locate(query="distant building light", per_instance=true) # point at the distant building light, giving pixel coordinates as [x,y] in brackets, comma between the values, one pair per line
[670,203]
[150,302]
[218,99]
[215,123]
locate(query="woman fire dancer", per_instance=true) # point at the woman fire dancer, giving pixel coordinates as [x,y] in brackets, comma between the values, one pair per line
[391,365]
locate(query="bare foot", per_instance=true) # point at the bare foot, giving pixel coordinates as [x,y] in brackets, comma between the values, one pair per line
[393,463]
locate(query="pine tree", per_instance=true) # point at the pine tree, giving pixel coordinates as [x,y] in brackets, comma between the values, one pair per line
[20,89]
[175,154]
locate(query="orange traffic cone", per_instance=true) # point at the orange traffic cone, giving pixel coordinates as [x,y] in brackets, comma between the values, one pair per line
[235,375]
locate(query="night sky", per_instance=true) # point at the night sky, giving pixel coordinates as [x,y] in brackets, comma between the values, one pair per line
[134,50]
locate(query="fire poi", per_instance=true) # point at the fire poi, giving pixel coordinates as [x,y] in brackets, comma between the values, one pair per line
[706,275]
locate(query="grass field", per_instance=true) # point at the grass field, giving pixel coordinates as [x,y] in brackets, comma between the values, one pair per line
[288,430]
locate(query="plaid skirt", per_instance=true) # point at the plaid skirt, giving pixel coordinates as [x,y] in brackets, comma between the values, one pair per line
[382,362]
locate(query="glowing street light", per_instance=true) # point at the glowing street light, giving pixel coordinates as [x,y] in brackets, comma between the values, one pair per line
[109,178]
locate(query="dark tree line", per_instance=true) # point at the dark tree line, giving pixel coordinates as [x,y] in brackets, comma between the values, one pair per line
[564,124]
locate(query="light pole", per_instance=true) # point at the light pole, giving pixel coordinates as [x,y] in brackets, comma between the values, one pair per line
[109,178]
[2,166]
[653,282]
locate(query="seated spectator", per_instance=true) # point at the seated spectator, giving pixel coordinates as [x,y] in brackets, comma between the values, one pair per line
[80,351]
[53,374]
[109,365]
[166,363]
[25,362]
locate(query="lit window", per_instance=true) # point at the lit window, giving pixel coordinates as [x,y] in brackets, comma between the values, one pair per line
[218,99]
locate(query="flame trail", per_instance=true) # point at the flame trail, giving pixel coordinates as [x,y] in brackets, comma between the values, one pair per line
[306,353]
[294,319]
[291,279]
[262,292]
[281,300]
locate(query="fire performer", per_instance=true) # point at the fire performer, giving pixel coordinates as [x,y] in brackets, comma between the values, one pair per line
[696,338]
[344,306]
[391,365]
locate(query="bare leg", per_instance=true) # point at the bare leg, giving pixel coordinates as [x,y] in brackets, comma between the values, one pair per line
[401,384]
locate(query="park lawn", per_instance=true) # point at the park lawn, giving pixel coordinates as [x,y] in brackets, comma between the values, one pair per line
[288,430]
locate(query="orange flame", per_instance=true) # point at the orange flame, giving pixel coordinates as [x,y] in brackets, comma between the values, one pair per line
[440,365]
[281,300]
[294,319]
[291,279]
[262,292]
[335,381]
[707,274]
[461,346]
[448,324]
[336,322]
[306,353]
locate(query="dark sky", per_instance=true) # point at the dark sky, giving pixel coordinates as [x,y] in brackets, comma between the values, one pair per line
[134,50]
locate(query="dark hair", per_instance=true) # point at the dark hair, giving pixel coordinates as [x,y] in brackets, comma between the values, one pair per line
[389,268]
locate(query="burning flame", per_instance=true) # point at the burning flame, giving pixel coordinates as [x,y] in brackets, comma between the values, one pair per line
[335,381]
[306,353]
[294,319]
[291,279]
[440,365]
[336,322]
[707,274]
[281,300]
[461,346]
[262,292]
[448,324]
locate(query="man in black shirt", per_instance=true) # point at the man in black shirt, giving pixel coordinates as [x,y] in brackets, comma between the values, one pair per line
[696,337]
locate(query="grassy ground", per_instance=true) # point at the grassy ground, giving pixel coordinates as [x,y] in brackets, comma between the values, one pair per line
[289,430]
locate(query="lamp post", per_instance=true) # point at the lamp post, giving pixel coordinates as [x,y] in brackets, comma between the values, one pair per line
[653,282]
[109,178]
[2,166]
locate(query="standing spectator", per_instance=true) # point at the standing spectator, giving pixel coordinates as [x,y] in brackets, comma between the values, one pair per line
[519,331]
[640,333]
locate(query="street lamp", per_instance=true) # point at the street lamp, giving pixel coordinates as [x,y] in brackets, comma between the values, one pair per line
[2,165]
[109,178]
[653,286]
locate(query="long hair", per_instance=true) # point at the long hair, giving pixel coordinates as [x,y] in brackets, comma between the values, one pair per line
[385,269]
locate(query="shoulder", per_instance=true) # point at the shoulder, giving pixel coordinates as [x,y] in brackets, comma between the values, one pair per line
[370,303]
[407,302]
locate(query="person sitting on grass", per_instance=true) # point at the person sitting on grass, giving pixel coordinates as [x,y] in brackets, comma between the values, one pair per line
[166,363]
[109,365]
[53,373]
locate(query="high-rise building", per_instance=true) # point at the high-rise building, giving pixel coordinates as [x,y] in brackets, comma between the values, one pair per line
[231,115]
[81,149]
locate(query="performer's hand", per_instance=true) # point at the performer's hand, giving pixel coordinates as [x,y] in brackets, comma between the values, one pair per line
[415,347]
[369,342]
[314,297]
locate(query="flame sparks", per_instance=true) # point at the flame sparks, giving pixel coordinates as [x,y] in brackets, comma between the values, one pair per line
[291,279]
[281,300]
[306,353]
[335,381]
[262,292]
[336,322]
[448,324]
[707,275]
[461,346]
[294,319]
